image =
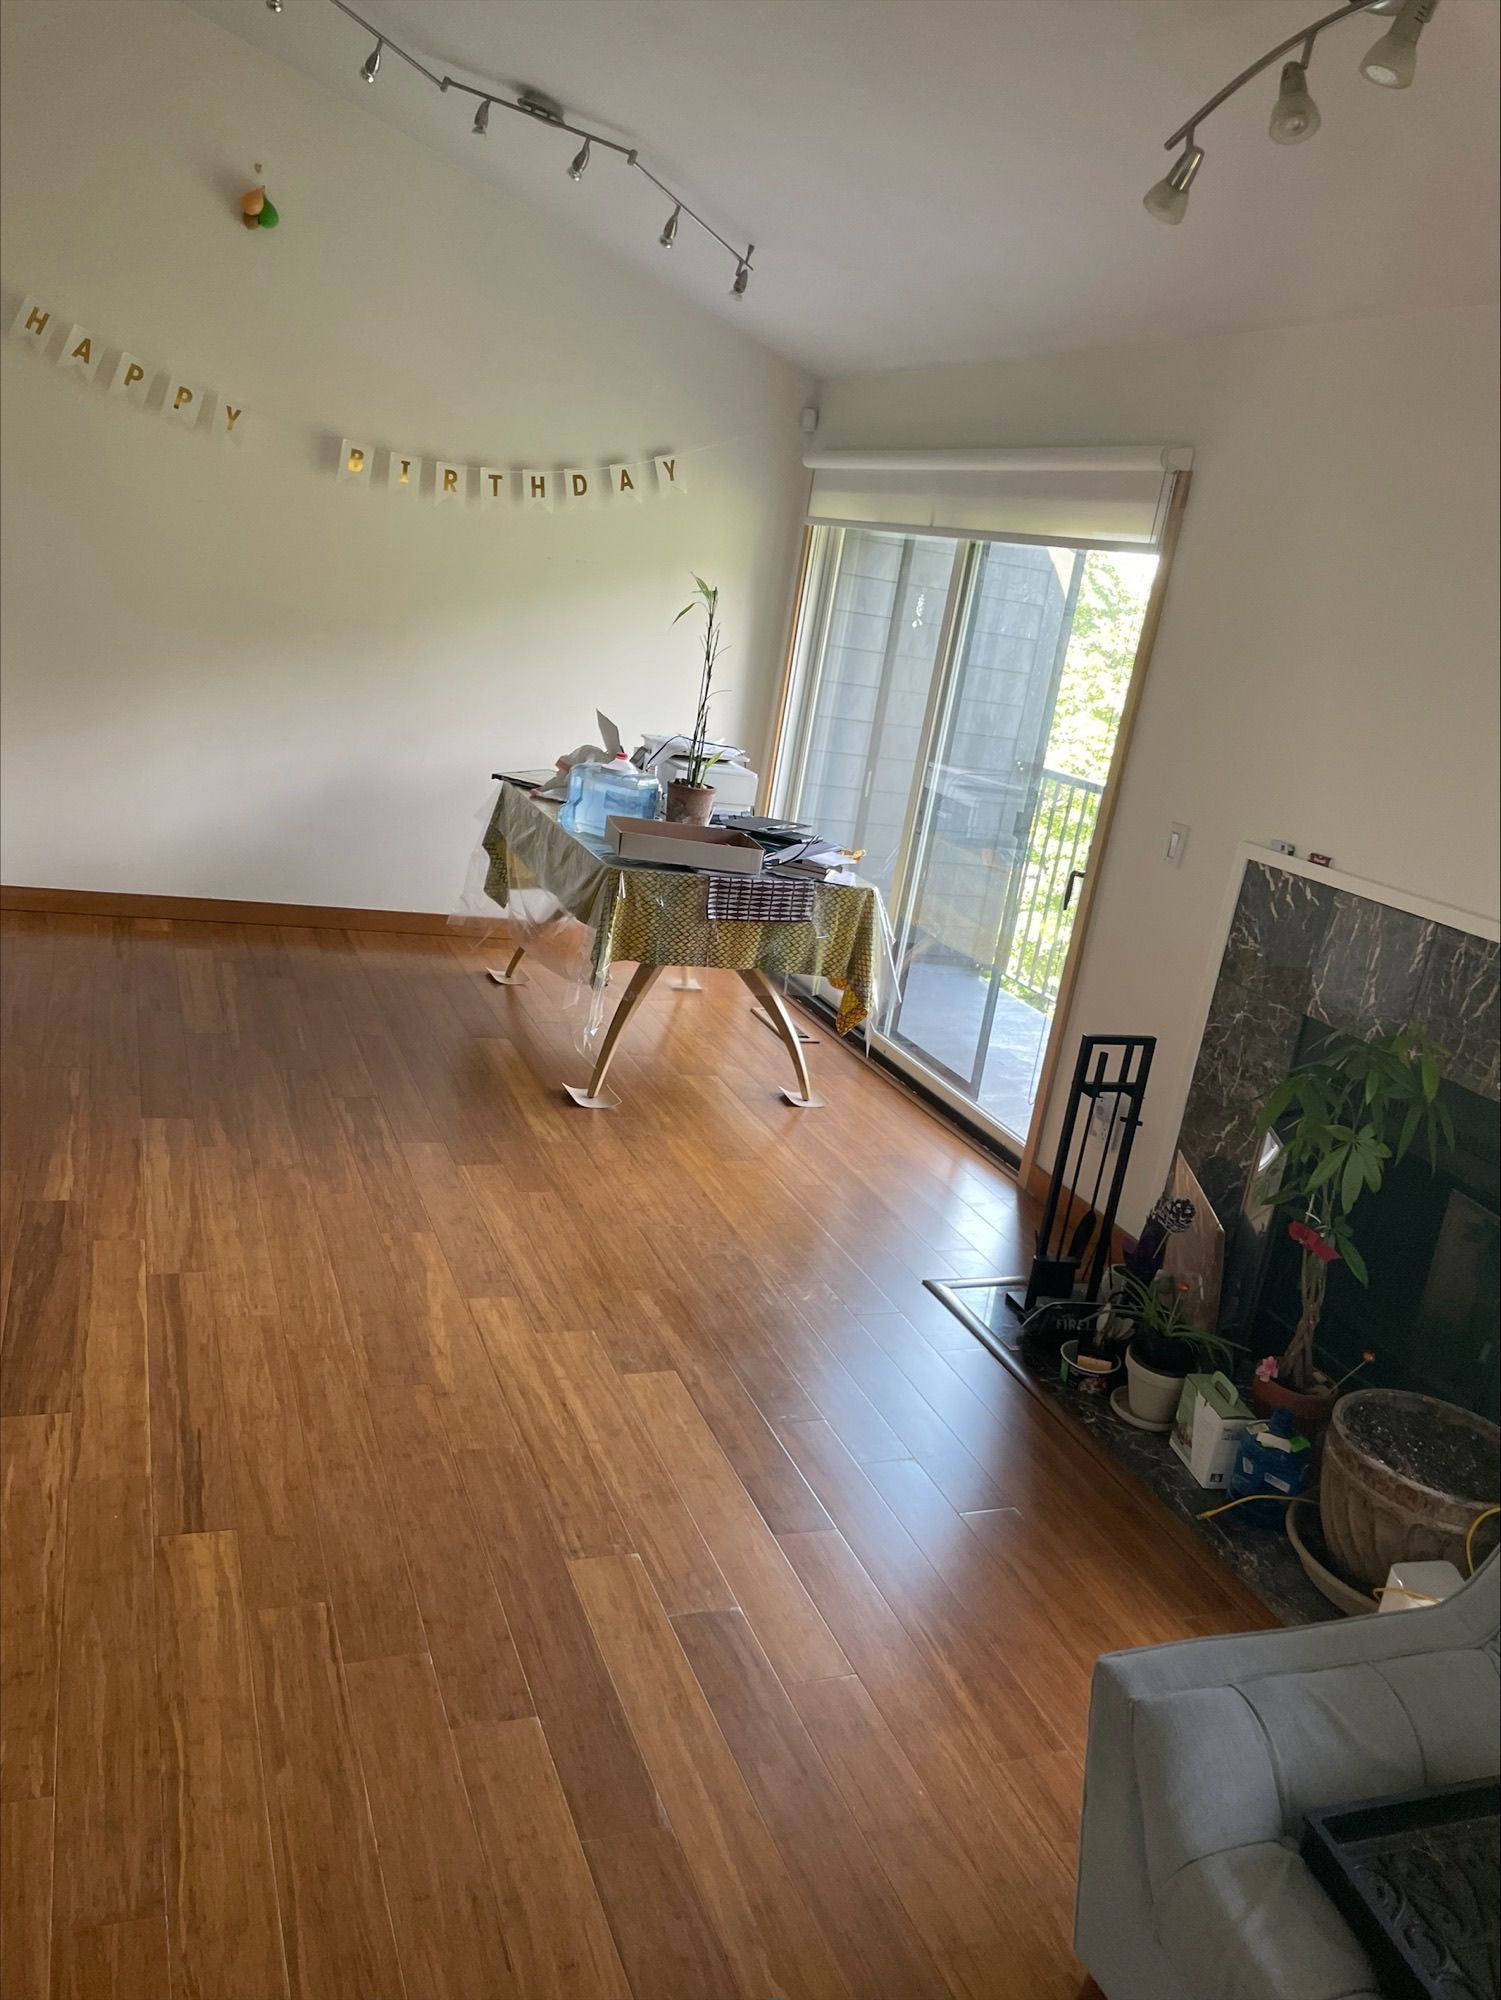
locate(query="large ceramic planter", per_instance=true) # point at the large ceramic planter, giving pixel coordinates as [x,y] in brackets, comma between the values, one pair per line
[1151,1395]
[1404,1477]
[689,805]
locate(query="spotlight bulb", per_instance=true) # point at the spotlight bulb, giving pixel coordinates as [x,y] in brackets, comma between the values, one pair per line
[742,279]
[1295,116]
[1168,200]
[370,67]
[578,163]
[273,6]
[482,119]
[669,234]
[1393,61]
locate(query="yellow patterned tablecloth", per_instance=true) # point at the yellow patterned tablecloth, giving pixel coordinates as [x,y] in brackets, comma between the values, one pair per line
[658,916]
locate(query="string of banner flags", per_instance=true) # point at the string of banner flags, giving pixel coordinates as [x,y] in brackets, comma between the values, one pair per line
[379,467]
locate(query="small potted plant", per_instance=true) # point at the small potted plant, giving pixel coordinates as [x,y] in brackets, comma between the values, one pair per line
[1163,1348]
[690,800]
[1342,1120]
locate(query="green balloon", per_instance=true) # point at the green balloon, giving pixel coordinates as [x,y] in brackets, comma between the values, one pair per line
[269,217]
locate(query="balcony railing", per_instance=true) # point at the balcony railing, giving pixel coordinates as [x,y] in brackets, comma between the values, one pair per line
[1041,919]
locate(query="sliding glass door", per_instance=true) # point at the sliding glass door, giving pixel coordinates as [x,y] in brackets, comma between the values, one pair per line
[955,708]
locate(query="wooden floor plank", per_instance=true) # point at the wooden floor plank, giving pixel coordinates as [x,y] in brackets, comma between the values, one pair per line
[782,1615]
[770,1936]
[662,1931]
[35,1463]
[555,1926]
[223,1926]
[443,1907]
[192,1465]
[108,1784]
[336,1925]
[26,1898]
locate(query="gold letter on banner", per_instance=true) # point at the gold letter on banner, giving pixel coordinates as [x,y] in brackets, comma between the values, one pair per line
[492,485]
[448,481]
[31,322]
[579,483]
[182,402]
[403,472]
[79,351]
[536,487]
[232,422]
[354,460]
[621,483]
[131,378]
[669,478]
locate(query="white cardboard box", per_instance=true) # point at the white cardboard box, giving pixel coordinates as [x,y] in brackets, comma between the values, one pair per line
[1210,1423]
[720,849]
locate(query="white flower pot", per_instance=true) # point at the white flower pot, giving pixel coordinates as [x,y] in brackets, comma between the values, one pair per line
[1152,1395]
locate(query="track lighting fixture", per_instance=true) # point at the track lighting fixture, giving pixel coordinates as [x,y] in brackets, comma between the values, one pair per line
[273,6]
[1295,116]
[1394,59]
[1168,201]
[546,110]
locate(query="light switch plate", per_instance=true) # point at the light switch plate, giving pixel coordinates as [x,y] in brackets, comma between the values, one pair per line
[1177,840]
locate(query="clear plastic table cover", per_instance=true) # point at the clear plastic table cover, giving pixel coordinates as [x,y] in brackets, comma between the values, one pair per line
[572,903]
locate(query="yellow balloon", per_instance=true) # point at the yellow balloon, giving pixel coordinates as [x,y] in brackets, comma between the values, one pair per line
[253,202]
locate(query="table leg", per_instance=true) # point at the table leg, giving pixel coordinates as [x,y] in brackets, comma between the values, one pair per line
[593,1099]
[687,983]
[509,977]
[782,1021]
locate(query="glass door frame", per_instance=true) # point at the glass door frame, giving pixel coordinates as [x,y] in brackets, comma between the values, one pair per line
[803,668]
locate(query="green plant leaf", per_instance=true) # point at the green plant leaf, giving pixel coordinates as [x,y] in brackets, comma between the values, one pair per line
[1354,1261]
[1276,1104]
[1428,1067]
[1410,1123]
[1352,1181]
[1328,1167]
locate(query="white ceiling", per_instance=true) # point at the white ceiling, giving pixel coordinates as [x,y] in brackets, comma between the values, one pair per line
[931,180]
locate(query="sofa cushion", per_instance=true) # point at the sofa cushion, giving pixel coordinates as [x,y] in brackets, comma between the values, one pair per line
[1252,1924]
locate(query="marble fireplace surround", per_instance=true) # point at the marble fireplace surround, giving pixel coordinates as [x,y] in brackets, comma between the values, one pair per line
[1306,942]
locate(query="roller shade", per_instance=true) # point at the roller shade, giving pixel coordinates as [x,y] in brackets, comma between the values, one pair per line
[1113,495]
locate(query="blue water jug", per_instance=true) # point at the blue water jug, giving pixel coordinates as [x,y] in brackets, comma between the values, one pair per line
[616,788]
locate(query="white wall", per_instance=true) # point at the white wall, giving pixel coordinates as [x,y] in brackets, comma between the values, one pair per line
[229,675]
[1326,669]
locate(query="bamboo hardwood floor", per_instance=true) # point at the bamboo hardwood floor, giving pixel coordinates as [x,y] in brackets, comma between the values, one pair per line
[462,1547]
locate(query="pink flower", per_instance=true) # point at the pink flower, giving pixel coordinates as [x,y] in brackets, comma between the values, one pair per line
[1266,1369]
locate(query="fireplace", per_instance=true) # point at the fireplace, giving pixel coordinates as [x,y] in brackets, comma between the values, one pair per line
[1312,958]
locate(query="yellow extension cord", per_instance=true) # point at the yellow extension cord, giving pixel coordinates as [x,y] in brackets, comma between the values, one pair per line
[1292,1500]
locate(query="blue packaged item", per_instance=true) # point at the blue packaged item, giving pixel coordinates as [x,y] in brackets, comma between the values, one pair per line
[1271,1458]
[568,811]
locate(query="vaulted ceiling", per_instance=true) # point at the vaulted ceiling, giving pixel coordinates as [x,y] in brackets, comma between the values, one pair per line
[931,180]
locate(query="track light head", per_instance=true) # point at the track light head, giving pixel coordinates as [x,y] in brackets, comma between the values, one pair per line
[1295,116]
[742,279]
[1393,61]
[273,6]
[370,67]
[578,163]
[669,234]
[481,123]
[1168,200]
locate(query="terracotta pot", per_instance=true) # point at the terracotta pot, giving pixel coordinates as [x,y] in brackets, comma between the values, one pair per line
[1311,1409]
[1384,1503]
[1151,1395]
[689,805]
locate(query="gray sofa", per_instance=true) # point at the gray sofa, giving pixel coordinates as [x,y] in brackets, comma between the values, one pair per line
[1203,1758]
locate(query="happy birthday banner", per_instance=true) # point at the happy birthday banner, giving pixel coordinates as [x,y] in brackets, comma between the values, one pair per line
[188,403]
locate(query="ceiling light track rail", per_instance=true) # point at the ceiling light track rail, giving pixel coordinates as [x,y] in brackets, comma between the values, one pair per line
[1391,63]
[542,111]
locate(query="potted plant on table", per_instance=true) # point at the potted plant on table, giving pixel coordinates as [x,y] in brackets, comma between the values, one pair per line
[689,800]
[1342,1120]
[1163,1348]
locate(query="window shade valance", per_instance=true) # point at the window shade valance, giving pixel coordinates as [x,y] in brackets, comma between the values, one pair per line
[1096,495]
